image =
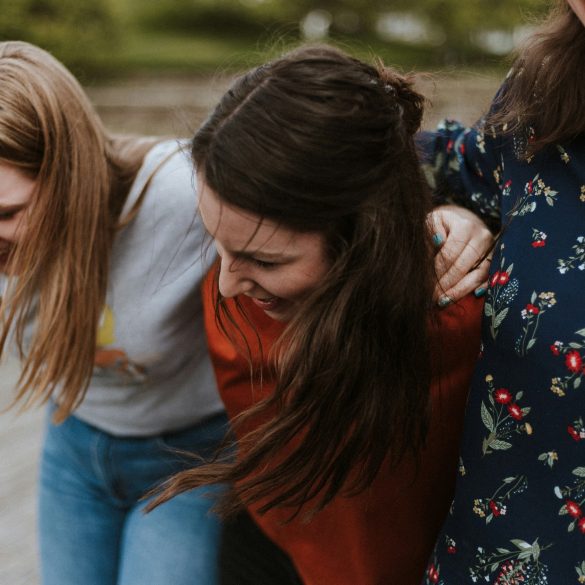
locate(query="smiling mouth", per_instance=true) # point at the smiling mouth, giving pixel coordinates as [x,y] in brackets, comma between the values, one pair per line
[268,304]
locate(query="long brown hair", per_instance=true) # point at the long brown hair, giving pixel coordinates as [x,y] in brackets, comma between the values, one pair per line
[318,141]
[49,129]
[545,91]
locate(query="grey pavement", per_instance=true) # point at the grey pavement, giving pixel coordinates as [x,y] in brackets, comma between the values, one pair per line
[20,437]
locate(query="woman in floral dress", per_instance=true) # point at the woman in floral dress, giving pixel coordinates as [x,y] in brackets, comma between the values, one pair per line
[519,510]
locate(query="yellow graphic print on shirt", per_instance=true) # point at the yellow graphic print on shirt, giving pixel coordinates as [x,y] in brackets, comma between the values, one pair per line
[111,362]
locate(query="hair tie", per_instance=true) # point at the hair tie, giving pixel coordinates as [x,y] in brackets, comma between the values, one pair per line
[387,87]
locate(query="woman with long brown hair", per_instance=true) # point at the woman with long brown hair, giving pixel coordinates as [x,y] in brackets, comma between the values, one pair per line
[100,243]
[310,184]
[519,509]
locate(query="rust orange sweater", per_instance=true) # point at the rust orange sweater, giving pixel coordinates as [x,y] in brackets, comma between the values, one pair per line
[384,535]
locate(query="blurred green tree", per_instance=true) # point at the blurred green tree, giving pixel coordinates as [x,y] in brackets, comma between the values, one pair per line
[75,31]
[107,35]
[221,17]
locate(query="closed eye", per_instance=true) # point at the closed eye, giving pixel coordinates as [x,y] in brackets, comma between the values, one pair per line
[263,263]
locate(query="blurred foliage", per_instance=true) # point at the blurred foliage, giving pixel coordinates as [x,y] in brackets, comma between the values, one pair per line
[121,35]
[75,31]
[210,17]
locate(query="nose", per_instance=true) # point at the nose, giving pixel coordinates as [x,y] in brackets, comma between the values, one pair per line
[232,279]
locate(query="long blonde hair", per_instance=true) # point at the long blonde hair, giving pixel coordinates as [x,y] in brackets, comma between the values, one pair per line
[50,131]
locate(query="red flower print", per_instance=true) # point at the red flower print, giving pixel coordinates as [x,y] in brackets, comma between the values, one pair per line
[571,430]
[581,525]
[507,568]
[539,244]
[433,574]
[573,509]
[494,279]
[530,308]
[494,508]
[530,187]
[451,550]
[555,348]
[508,183]
[573,361]
[502,395]
[449,146]
[515,411]
[499,278]
[462,148]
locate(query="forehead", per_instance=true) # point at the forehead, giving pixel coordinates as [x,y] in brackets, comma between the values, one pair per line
[237,229]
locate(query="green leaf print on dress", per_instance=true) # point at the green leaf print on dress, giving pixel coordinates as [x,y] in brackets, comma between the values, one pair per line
[535,188]
[573,364]
[576,260]
[574,501]
[496,505]
[531,315]
[518,565]
[501,292]
[503,417]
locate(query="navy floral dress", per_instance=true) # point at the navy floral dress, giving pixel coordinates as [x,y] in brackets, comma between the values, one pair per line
[518,516]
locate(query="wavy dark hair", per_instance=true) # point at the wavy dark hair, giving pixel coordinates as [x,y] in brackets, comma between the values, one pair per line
[318,141]
[545,90]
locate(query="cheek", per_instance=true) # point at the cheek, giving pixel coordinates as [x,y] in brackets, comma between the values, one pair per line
[299,283]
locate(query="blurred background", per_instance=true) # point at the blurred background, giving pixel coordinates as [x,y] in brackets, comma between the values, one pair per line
[157,66]
[117,37]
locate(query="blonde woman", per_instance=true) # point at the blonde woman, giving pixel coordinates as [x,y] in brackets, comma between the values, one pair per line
[99,239]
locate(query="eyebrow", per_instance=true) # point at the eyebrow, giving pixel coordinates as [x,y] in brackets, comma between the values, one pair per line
[264,255]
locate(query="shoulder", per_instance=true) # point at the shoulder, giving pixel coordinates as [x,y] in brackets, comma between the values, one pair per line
[168,162]
[168,175]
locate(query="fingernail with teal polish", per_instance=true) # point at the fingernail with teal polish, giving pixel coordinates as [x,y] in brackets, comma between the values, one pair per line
[479,292]
[445,301]
[437,239]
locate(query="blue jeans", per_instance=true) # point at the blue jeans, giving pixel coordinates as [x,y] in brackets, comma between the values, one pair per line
[93,530]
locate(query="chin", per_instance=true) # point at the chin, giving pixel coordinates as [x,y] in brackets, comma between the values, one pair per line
[279,316]
[282,315]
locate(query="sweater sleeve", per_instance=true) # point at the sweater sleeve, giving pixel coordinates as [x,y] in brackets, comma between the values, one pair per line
[465,166]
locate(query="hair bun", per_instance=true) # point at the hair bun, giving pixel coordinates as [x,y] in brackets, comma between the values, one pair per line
[400,88]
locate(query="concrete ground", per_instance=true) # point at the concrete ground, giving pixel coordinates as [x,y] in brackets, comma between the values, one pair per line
[20,436]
